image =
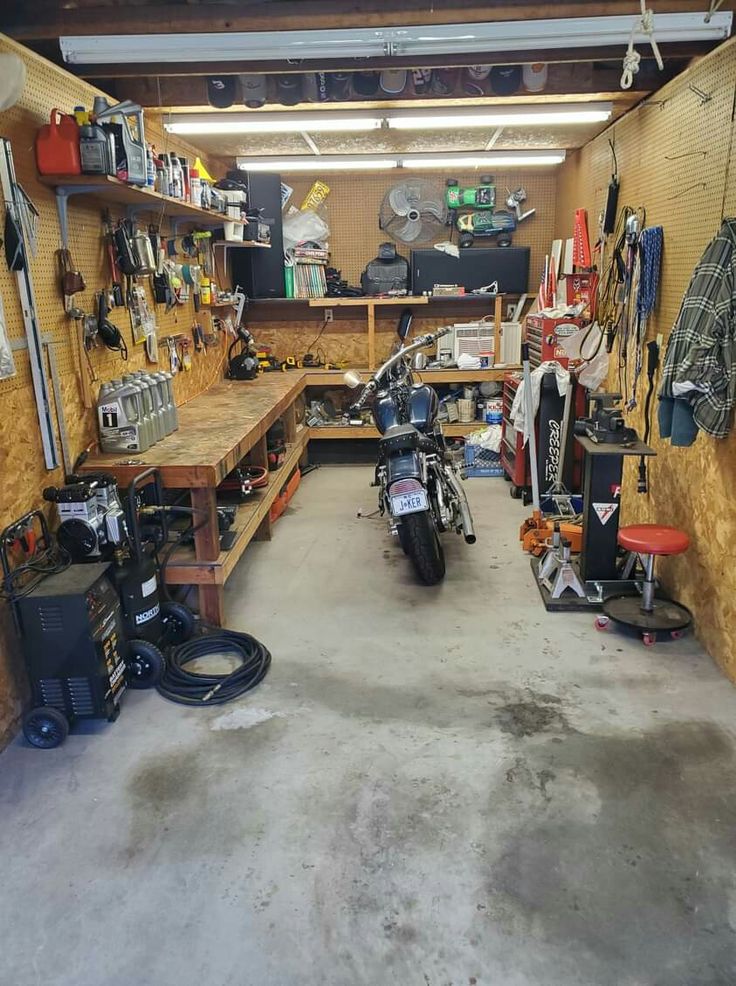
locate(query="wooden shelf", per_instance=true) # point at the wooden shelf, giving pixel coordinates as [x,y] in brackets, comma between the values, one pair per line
[333,378]
[364,302]
[237,245]
[455,429]
[186,570]
[110,189]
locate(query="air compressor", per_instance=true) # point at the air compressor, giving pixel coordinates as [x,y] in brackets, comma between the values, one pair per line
[94,525]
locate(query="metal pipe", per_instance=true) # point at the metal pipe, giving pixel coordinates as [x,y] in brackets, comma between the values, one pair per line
[647,592]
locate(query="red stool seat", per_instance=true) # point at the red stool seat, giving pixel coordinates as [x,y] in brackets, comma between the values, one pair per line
[653,539]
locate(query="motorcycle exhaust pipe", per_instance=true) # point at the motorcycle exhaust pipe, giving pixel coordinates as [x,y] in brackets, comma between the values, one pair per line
[466,521]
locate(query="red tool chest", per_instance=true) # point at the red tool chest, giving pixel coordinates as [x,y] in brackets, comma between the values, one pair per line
[543,335]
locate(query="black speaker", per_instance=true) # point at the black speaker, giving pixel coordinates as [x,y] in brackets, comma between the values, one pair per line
[261,272]
[475,267]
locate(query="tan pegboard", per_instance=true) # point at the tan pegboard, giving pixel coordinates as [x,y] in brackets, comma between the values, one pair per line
[352,209]
[47,87]
[676,158]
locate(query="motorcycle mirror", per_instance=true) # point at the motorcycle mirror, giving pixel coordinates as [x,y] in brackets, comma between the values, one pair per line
[404,323]
[353,379]
[420,361]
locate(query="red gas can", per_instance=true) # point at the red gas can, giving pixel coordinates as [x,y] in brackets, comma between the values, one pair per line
[57,146]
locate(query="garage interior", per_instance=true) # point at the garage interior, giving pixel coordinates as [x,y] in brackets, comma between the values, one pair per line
[366,467]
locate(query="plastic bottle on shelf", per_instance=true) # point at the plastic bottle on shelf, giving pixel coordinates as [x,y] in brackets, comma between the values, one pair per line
[177,178]
[150,167]
[81,115]
[120,418]
[169,378]
[156,402]
[149,419]
[167,407]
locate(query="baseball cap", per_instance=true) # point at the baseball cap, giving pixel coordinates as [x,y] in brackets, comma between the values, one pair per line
[505,79]
[535,77]
[366,83]
[253,89]
[393,80]
[221,91]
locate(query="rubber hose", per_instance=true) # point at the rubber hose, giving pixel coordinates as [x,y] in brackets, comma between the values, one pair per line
[198,689]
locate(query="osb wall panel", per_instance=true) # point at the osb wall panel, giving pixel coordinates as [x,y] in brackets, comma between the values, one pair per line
[344,339]
[354,201]
[22,471]
[676,158]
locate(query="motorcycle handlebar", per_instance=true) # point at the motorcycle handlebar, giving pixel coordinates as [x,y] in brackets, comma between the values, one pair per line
[372,386]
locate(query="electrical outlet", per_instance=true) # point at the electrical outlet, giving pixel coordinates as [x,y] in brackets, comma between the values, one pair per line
[328,315]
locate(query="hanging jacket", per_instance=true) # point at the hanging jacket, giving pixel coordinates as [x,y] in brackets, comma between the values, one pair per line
[698,387]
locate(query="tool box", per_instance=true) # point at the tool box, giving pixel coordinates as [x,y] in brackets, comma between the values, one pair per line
[544,334]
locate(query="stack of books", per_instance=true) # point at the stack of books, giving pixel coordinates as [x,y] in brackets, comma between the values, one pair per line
[309,272]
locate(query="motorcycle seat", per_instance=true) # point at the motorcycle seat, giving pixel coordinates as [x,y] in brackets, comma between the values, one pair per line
[401,437]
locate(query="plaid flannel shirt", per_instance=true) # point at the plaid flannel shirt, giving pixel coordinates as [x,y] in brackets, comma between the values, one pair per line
[700,362]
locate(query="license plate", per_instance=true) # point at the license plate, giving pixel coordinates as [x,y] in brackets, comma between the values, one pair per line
[409,503]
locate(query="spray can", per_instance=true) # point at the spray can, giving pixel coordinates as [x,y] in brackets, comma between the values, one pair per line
[119,417]
[195,188]
[177,178]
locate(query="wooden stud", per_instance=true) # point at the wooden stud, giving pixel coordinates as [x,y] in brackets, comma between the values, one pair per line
[264,529]
[371,336]
[497,319]
[212,604]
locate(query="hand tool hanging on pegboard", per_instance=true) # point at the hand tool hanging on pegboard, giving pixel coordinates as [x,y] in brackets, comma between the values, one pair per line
[20,233]
[580,240]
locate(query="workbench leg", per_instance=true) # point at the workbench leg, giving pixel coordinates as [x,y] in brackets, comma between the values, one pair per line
[371,336]
[207,538]
[259,453]
[263,533]
[212,604]
[289,420]
[497,319]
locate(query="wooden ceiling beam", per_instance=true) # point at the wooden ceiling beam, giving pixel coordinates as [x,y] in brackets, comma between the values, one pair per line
[677,50]
[44,19]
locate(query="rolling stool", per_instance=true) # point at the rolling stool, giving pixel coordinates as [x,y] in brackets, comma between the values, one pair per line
[648,614]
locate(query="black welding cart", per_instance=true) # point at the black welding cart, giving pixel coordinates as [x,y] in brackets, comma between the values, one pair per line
[70,624]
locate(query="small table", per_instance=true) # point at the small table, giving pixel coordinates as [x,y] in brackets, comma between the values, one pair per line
[603,468]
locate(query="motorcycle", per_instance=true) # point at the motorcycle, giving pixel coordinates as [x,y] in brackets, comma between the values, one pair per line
[416,475]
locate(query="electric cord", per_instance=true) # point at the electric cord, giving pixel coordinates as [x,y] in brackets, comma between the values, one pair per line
[195,688]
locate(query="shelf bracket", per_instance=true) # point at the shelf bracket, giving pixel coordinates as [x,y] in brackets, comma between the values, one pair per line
[63,194]
[176,221]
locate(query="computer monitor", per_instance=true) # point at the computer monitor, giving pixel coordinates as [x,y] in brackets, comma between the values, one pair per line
[474,268]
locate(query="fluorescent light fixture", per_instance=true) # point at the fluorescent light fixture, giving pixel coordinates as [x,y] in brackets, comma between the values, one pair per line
[366,42]
[388,162]
[271,123]
[420,119]
[489,116]
[512,159]
[319,163]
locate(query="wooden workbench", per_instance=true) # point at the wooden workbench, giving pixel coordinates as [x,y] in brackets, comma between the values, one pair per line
[216,431]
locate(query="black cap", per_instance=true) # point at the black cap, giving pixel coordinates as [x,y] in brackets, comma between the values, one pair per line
[506,79]
[221,91]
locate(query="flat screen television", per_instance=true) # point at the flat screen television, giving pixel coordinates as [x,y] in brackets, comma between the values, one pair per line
[475,267]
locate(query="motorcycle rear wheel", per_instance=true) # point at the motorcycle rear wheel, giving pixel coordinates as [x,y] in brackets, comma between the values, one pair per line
[422,545]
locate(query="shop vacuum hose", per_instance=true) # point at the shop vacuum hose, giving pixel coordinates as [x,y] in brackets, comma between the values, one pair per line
[197,688]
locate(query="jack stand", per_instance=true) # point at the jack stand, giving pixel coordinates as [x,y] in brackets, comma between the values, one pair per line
[551,560]
[565,576]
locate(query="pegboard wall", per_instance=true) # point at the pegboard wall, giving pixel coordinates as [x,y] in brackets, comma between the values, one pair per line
[676,159]
[354,201]
[22,472]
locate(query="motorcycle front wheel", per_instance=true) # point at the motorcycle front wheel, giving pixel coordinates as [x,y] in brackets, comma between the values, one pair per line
[421,542]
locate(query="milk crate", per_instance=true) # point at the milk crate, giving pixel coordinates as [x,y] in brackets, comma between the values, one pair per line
[481,462]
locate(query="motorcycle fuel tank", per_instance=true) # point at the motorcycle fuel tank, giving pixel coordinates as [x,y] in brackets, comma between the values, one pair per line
[423,407]
[385,412]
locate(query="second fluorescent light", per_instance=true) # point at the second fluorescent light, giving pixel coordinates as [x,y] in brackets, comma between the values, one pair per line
[440,162]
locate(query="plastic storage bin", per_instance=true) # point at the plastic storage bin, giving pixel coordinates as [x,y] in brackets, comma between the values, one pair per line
[481,463]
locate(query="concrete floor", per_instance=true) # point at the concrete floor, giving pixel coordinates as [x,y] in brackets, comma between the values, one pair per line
[432,787]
